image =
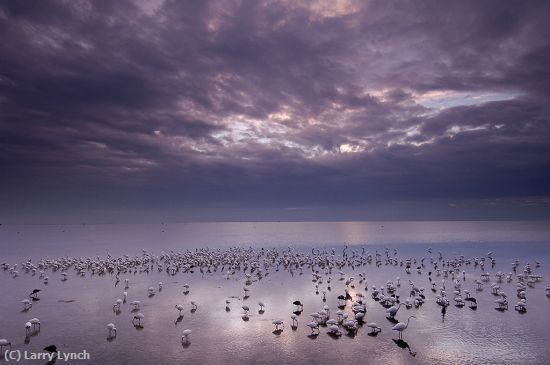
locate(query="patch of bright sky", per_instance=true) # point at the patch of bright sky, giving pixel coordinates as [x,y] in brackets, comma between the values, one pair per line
[245,130]
[242,129]
[334,8]
[351,148]
[149,7]
[322,9]
[456,129]
[448,98]
[238,132]
[276,133]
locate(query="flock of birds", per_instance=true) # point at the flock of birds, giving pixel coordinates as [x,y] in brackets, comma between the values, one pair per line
[447,278]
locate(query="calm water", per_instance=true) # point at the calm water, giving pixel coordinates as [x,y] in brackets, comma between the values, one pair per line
[74,313]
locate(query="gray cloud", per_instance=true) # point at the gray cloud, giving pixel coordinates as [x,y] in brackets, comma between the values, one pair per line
[168,106]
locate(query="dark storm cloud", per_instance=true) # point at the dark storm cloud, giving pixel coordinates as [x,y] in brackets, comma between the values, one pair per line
[170,104]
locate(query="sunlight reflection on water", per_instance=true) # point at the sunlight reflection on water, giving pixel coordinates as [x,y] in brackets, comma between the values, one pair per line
[463,336]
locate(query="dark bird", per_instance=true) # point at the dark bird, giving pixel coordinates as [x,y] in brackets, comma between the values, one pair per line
[34,293]
[473,302]
[51,348]
[299,304]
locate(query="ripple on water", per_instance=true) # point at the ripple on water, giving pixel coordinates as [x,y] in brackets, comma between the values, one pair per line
[463,336]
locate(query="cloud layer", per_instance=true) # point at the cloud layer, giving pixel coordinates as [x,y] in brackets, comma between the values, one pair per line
[178,107]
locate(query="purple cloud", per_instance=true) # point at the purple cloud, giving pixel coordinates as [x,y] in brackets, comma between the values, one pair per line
[169,105]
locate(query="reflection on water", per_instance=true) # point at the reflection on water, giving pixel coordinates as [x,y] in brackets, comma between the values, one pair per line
[54,240]
[74,313]
[404,345]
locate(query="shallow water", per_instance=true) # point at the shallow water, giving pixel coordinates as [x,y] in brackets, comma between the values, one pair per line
[75,240]
[74,313]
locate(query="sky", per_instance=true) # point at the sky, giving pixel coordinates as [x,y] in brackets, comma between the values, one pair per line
[150,111]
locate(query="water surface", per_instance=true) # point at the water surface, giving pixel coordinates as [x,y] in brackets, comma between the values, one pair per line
[74,313]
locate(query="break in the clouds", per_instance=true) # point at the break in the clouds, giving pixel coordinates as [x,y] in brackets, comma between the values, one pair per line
[121,110]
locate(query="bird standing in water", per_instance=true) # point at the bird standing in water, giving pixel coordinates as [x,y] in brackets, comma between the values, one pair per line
[400,327]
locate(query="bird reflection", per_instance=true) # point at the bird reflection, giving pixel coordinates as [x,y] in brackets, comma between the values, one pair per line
[404,345]
[52,349]
[351,334]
